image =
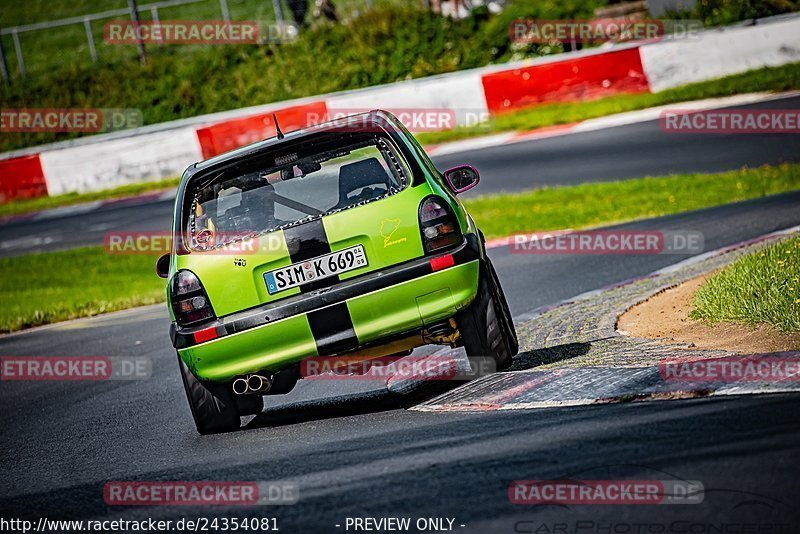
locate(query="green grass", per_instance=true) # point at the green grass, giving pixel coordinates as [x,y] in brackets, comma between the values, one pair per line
[601,203]
[760,288]
[38,46]
[43,288]
[17,207]
[716,12]
[38,289]
[784,78]
[16,13]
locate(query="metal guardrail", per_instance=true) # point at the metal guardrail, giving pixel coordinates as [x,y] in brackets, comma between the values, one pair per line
[131,11]
[95,16]
[281,17]
[86,21]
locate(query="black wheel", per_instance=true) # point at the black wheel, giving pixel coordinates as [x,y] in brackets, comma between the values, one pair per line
[213,405]
[485,325]
[505,316]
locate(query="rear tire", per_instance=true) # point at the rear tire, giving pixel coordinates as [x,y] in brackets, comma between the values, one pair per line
[485,325]
[213,405]
[505,316]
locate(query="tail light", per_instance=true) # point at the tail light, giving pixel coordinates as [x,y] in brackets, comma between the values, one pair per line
[440,228]
[189,300]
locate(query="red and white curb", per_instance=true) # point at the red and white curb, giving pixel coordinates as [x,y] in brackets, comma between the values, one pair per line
[532,389]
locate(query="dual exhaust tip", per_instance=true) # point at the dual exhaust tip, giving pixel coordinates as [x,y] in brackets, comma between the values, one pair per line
[252,385]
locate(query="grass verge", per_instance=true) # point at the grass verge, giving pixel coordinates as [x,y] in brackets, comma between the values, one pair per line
[784,78]
[45,288]
[602,203]
[760,288]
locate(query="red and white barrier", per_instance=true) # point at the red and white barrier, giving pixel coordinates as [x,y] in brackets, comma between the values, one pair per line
[570,79]
[460,94]
[21,177]
[233,133]
[165,150]
[120,161]
[721,52]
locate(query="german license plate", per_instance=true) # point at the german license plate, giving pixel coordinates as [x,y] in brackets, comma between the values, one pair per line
[318,268]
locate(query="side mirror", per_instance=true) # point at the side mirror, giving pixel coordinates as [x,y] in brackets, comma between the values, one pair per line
[462,178]
[162,266]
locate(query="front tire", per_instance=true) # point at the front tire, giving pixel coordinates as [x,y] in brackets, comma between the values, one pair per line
[485,325]
[213,405]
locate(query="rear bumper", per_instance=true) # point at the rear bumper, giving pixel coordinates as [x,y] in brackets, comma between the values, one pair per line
[340,319]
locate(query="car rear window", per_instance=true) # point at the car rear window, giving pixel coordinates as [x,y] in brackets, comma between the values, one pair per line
[292,186]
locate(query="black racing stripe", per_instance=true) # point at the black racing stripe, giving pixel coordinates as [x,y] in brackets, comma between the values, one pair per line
[307,241]
[332,328]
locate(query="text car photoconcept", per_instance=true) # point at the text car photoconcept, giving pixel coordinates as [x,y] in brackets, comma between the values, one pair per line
[338,239]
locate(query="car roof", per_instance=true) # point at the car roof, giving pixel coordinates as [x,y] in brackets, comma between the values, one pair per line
[378,119]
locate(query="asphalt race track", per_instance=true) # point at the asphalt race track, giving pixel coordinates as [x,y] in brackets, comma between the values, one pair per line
[629,151]
[355,452]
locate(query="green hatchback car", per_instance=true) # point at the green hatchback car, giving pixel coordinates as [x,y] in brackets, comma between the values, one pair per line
[338,239]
